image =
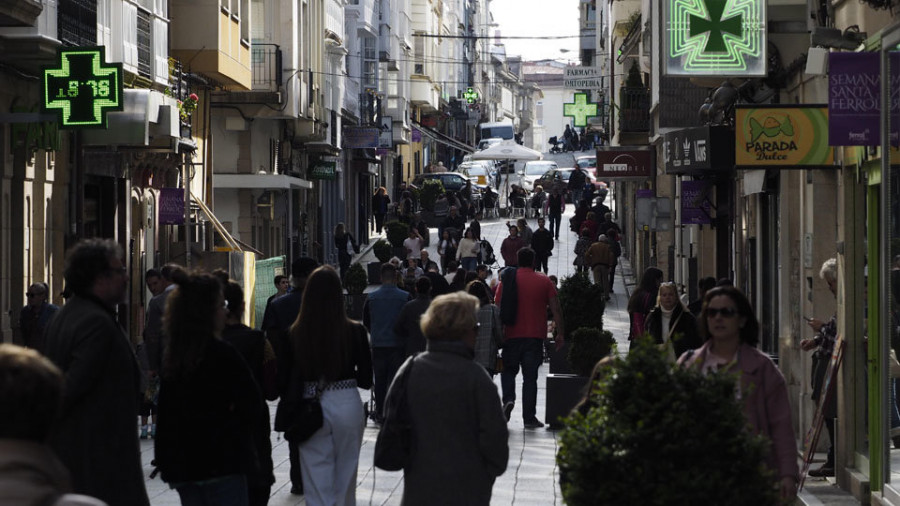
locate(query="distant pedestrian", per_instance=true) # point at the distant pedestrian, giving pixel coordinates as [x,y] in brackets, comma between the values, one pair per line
[617,252]
[510,247]
[447,249]
[581,212]
[282,283]
[576,185]
[732,330]
[276,324]
[642,301]
[31,395]
[154,280]
[581,247]
[458,283]
[331,357]
[542,244]
[346,247]
[154,336]
[406,209]
[475,226]
[451,399]
[490,329]
[525,231]
[671,325]
[212,416]
[414,244]
[608,224]
[454,222]
[425,261]
[524,337]
[704,285]
[380,313]
[380,203]
[599,258]
[556,205]
[407,326]
[35,317]
[468,250]
[538,201]
[96,437]
[590,224]
[439,284]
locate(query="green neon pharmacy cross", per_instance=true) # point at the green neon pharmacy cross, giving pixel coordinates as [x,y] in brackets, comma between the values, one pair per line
[580,110]
[470,95]
[82,88]
[716,26]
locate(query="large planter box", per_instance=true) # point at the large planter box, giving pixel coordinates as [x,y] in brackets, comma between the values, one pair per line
[559,363]
[373,269]
[355,304]
[564,391]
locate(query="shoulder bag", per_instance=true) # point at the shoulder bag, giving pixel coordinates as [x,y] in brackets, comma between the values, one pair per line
[393,447]
[305,416]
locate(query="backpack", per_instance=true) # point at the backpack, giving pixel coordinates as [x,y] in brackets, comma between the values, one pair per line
[487,253]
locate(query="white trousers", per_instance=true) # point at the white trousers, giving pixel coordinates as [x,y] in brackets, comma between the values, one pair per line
[330,458]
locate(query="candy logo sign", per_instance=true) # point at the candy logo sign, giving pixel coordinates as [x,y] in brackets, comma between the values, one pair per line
[782,136]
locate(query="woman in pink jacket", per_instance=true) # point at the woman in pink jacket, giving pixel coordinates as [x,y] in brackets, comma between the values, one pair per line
[732,332]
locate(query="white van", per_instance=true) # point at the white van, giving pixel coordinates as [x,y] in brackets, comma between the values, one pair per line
[500,130]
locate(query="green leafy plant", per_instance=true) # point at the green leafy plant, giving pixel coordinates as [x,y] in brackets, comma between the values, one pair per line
[356,280]
[188,106]
[397,232]
[658,434]
[581,302]
[382,250]
[431,190]
[589,346]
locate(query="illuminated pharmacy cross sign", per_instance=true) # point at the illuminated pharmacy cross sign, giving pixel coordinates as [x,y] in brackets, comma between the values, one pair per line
[82,88]
[470,95]
[580,110]
[716,26]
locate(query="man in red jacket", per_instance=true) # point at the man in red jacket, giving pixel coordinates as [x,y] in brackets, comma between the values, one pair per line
[511,246]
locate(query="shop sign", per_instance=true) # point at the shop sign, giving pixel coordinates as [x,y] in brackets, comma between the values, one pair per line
[386,136]
[782,137]
[714,37]
[81,88]
[697,150]
[854,99]
[360,137]
[416,135]
[580,110]
[624,163]
[323,171]
[583,78]
[171,206]
[695,207]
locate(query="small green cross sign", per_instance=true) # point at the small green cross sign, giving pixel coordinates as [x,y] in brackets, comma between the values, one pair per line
[580,110]
[471,96]
[82,88]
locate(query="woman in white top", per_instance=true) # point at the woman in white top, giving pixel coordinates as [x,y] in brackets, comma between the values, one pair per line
[467,252]
[671,324]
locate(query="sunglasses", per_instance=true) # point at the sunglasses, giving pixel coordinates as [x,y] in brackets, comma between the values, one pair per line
[726,312]
[33,294]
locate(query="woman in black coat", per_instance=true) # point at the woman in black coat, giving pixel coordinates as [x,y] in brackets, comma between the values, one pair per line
[211,413]
[671,322]
[380,203]
[346,247]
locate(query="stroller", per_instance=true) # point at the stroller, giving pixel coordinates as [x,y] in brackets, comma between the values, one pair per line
[558,145]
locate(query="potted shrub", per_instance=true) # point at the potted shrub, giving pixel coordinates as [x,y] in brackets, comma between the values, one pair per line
[382,251]
[588,346]
[581,303]
[661,434]
[356,281]
[397,232]
[431,190]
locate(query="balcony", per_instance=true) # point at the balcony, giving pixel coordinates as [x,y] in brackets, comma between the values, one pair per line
[214,39]
[266,65]
[20,12]
[424,94]
[634,110]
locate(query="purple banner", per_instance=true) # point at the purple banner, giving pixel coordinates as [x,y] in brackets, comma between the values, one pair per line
[171,206]
[854,99]
[416,135]
[692,211]
[644,194]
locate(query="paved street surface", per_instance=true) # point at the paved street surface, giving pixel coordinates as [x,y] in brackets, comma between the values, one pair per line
[531,477]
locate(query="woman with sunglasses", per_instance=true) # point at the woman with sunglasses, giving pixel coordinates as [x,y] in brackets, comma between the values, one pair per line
[671,325]
[732,332]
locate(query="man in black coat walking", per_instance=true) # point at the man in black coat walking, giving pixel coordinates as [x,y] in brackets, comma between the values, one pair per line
[542,244]
[97,435]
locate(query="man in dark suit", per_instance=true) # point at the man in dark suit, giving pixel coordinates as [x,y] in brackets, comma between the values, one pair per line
[277,321]
[154,341]
[97,436]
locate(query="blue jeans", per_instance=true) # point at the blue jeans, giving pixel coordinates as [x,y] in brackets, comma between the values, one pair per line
[576,197]
[529,353]
[469,263]
[228,490]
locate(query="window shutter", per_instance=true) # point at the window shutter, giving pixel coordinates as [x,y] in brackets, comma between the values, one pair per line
[161,51]
[129,36]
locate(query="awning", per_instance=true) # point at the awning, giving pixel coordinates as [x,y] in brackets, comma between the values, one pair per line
[443,139]
[260,181]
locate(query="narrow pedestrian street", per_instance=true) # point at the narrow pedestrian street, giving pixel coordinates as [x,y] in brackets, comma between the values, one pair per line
[531,478]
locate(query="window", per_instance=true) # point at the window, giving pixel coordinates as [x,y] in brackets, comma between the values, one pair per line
[369,62]
[144,55]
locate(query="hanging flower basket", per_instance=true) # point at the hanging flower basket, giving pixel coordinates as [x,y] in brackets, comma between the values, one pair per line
[188,106]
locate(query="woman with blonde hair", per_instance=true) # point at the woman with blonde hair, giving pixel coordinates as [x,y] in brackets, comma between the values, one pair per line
[450,398]
[671,324]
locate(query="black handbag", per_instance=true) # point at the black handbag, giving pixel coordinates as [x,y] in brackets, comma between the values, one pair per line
[393,447]
[304,417]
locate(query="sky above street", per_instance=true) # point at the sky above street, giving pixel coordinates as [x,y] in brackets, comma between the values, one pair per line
[537,18]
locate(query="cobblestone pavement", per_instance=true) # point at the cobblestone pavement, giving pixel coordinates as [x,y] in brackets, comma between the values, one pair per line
[531,477]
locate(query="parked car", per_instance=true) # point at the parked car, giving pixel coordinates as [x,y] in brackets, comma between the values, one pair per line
[482,173]
[453,181]
[533,170]
[486,143]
